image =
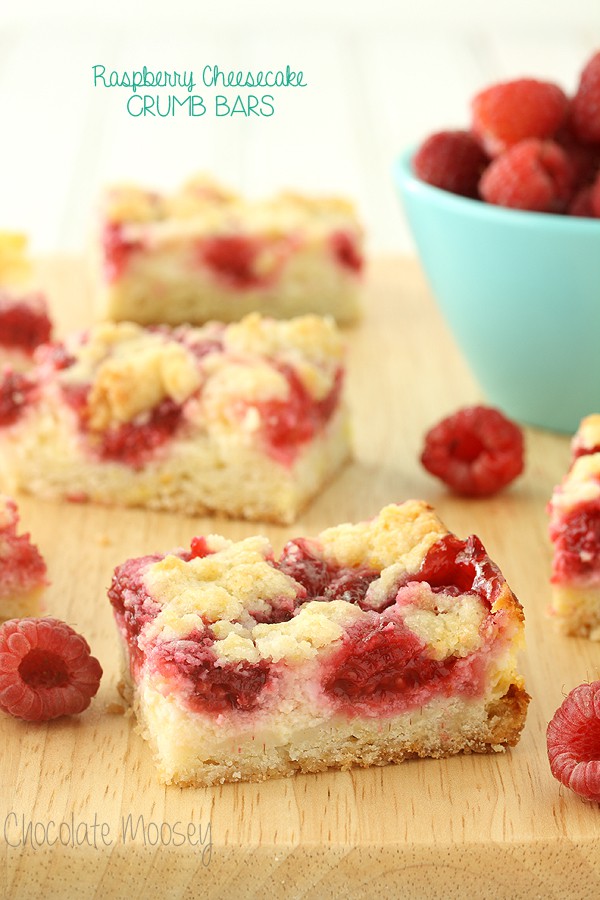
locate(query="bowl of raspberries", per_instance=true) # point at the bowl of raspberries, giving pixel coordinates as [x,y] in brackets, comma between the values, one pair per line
[505,214]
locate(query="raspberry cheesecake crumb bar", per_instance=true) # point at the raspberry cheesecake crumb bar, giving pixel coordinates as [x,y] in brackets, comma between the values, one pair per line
[369,644]
[24,318]
[245,420]
[575,534]
[22,568]
[204,253]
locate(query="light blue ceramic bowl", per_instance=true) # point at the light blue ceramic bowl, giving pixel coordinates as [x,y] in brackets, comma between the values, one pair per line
[521,293]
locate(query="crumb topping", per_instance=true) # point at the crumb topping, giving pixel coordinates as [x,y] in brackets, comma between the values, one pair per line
[399,536]
[312,345]
[232,584]
[317,625]
[202,205]
[130,369]
[581,485]
[126,386]
[449,625]
[588,434]
[196,196]
[15,266]
[235,589]
[128,203]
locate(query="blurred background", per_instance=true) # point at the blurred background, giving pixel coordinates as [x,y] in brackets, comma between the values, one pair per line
[381,75]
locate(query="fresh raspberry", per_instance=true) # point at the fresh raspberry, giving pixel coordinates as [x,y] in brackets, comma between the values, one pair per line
[586,202]
[534,175]
[507,113]
[581,204]
[451,160]
[476,451]
[584,158]
[46,670]
[573,740]
[586,103]
[595,197]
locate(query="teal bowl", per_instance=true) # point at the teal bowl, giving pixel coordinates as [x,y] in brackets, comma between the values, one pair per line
[520,292]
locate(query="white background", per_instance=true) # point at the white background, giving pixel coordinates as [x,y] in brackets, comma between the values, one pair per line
[380,76]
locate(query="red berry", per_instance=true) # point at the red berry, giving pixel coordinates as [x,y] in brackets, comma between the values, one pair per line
[46,670]
[573,740]
[586,103]
[534,175]
[586,202]
[451,160]
[507,113]
[584,158]
[476,451]
[595,197]
[581,204]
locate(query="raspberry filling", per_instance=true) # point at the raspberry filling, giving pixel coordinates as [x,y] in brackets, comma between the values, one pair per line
[132,443]
[136,442]
[322,580]
[455,567]
[379,667]
[16,391]
[56,356]
[234,260]
[346,251]
[576,540]
[117,251]
[288,424]
[24,324]
[132,604]
[580,449]
[383,668]
[23,567]
[192,665]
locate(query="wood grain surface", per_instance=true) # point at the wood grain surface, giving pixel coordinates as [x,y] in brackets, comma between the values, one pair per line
[473,826]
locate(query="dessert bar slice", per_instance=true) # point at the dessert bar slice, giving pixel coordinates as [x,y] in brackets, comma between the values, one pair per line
[22,568]
[204,253]
[366,645]
[245,420]
[24,319]
[575,533]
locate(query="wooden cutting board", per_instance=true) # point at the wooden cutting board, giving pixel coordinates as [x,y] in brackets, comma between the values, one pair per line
[82,813]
